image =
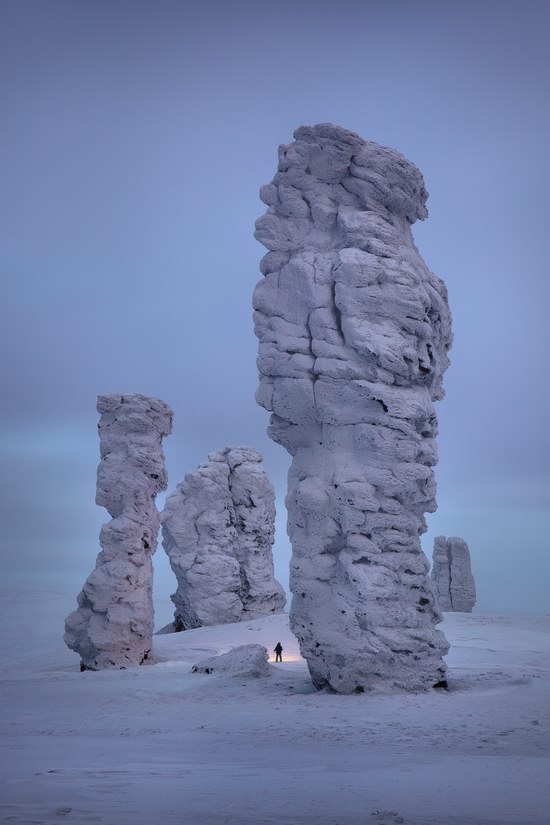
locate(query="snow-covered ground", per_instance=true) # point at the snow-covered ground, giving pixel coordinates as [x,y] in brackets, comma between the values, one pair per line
[158,744]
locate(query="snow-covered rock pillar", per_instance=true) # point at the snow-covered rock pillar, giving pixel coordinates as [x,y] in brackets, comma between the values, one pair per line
[353,336]
[113,624]
[452,576]
[218,528]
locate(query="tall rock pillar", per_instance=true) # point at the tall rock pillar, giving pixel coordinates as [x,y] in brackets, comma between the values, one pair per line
[218,527]
[452,578]
[353,335]
[113,624]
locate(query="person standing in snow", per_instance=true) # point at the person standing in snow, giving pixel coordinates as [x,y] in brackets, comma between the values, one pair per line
[278,650]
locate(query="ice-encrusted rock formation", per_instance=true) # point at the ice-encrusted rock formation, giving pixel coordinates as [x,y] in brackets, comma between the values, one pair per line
[218,528]
[245,661]
[113,624]
[452,578]
[353,336]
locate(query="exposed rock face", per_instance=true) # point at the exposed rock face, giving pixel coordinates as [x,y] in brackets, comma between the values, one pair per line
[354,332]
[452,577]
[218,528]
[113,624]
[245,661]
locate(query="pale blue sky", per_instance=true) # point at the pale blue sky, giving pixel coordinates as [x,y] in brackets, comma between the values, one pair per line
[134,139]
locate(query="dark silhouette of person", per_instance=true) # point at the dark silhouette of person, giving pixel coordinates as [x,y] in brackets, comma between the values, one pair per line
[278,650]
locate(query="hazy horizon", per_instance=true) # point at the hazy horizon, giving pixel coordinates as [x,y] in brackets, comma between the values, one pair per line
[136,136]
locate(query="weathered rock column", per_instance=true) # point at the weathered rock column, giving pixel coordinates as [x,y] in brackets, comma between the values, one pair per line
[113,624]
[218,527]
[452,576]
[354,332]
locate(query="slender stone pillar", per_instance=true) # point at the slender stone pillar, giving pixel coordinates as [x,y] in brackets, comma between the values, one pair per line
[452,576]
[113,624]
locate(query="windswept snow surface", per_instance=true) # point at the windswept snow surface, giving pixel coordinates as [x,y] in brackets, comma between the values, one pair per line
[158,744]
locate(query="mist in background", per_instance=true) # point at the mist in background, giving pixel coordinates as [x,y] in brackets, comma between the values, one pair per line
[134,139]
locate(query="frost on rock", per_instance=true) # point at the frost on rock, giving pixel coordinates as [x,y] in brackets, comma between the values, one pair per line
[218,528]
[353,335]
[244,661]
[452,578]
[113,624]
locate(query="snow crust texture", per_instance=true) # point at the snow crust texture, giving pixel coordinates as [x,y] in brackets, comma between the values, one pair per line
[218,528]
[113,624]
[452,576]
[249,661]
[353,336]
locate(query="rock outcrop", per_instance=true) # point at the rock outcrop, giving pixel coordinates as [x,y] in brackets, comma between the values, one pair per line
[353,336]
[218,528]
[452,579]
[245,661]
[113,624]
